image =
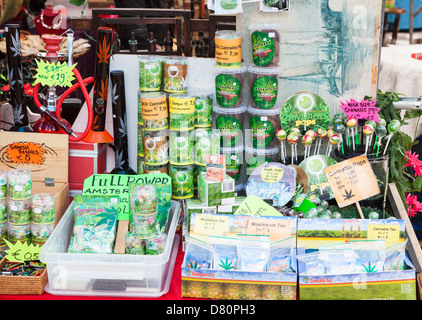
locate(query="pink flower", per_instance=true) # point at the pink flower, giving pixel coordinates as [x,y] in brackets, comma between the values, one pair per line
[414,162]
[413,206]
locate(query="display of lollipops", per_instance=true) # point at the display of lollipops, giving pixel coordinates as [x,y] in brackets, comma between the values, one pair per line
[321,133]
[380,133]
[333,140]
[292,139]
[281,136]
[393,127]
[351,123]
[339,129]
[307,142]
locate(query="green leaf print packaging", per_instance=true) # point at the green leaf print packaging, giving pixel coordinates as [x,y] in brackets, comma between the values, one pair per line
[261,128]
[150,73]
[162,168]
[3,235]
[228,6]
[140,165]
[207,141]
[3,209]
[155,112]
[19,211]
[20,184]
[175,74]
[155,245]
[230,123]
[41,232]
[215,193]
[182,111]
[140,141]
[19,232]
[225,258]
[134,244]
[182,151]
[43,208]
[143,203]
[257,157]
[265,41]
[370,255]
[156,147]
[264,86]
[234,161]
[140,119]
[203,110]
[182,181]
[229,87]
[95,226]
[3,184]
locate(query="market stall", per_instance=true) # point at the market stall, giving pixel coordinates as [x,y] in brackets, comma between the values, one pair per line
[274,170]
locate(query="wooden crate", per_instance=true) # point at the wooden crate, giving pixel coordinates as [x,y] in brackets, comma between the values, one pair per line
[397,209]
[51,175]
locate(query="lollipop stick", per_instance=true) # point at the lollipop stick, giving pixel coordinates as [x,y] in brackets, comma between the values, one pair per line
[378,149]
[366,145]
[293,155]
[296,152]
[375,143]
[386,145]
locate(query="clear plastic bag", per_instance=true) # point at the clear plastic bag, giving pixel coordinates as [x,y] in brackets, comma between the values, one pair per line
[312,263]
[198,254]
[281,253]
[370,255]
[95,226]
[253,254]
[338,261]
[394,256]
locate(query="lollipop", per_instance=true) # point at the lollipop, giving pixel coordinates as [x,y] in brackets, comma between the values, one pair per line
[307,142]
[333,140]
[393,127]
[292,139]
[321,133]
[339,129]
[281,136]
[351,127]
[295,131]
[368,131]
[380,132]
[374,125]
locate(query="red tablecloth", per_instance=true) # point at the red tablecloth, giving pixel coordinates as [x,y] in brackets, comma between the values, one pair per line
[173,294]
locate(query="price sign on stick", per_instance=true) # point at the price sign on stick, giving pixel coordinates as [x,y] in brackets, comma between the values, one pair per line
[352,180]
[54,74]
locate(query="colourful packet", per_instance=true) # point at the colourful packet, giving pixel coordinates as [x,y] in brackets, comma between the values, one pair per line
[281,255]
[225,258]
[253,254]
[198,254]
[370,255]
[394,256]
[311,263]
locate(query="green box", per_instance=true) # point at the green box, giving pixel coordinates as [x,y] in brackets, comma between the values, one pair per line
[215,193]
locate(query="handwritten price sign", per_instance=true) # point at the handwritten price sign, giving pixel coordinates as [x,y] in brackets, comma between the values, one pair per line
[54,74]
[20,252]
[364,109]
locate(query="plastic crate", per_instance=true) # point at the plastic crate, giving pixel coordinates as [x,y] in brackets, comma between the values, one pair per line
[88,274]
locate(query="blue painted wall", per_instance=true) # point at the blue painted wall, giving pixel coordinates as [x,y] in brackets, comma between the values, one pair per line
[404,20]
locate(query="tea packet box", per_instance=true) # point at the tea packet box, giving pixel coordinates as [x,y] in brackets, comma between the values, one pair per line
[216,193]
[366,280]
[217,276]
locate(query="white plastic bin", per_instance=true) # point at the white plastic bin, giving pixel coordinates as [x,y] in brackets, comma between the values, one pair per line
[90,274]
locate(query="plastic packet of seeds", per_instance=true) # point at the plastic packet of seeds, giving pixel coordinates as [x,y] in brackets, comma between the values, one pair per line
[95,225]
[338,261]
[225,258]
[370,255]
[228,7]
[281,253]
[253,253]
[394,256]
[198,253]
[312,264]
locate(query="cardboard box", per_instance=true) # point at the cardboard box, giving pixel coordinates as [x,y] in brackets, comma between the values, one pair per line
[85,159]
[379,285]
[49,170]
[239,284]
[215,193]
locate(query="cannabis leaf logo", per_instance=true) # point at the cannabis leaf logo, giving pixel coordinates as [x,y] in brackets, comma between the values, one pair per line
[16,48]
[122,128]
[17,114]
[119,162]
[226,265]
[113,94]
[369,268]
[348,195]
[103,53]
